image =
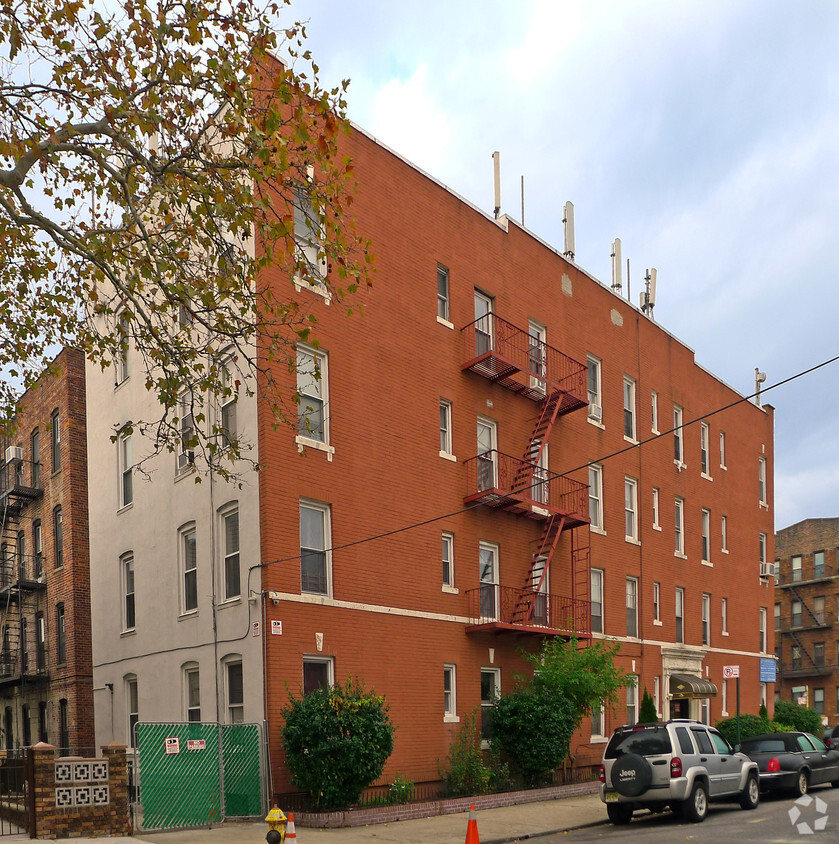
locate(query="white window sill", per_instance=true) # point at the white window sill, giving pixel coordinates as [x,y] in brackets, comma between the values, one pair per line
[763,505]
[724,550]
[229,602]
[540,511]
[632,540]
[598,530]
[657,527]
[318,289]
[680,555]
[630,440]
[451,719]
[724,713]
[707,563]
[724,468]
[445,322]
[450,590]
[598,740]
[130,632]
[707,477]
[655,431]
[596,424]
[187,615]
[680,465]
[446,456]
[306,442]
[125,507]
[725,632]
[658,623]
[186,472]
[118,384]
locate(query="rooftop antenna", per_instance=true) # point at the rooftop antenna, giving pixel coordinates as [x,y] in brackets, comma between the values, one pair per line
[617,266]
[648,294]
[522,201]
[760,377]
[628,290]
[496,169]
[568,223]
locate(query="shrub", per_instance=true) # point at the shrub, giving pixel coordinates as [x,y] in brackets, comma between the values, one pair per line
[762,713]
[750,725]
[533,726]
[803,719]
[401,790]
[647,713]
[336,742]
[466,774]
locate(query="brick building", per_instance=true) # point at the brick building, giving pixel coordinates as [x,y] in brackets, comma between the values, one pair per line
[806,611]
[45,652]
[487,457]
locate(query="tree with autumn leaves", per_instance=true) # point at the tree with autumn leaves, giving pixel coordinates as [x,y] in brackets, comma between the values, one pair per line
[155,159]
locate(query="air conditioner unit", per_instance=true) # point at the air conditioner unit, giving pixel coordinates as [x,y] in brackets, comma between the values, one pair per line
[767,569]
[595,411]
[14,454]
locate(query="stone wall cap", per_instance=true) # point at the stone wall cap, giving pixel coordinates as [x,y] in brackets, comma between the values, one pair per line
[42,746]
[114,745]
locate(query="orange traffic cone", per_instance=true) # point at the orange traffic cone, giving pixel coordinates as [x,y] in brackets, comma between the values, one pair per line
[471,828]
[290,834]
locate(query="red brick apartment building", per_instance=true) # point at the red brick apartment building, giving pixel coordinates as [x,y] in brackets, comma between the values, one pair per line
[45,656]
[473,475]
[806,613]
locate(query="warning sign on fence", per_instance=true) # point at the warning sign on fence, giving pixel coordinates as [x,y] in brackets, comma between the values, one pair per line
[196,744]
[173,745]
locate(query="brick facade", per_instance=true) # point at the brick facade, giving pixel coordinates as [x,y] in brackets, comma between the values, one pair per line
[382,488]
[39,687]
[806,611]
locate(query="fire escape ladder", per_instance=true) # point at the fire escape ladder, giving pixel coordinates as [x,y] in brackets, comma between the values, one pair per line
[581,578]
[525,603]
[536,444]
[804,650]
[816,620]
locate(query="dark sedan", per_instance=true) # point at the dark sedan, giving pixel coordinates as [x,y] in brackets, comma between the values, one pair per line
[793,761]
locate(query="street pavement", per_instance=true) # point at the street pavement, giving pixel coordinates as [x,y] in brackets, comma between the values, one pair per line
[510,823]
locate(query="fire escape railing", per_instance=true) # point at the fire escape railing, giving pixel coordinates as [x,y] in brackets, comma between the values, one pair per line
[494,605]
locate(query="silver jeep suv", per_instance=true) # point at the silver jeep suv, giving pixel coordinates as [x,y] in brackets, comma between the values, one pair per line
[681,764]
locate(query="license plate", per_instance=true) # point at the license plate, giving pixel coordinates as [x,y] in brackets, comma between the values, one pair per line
[611,797]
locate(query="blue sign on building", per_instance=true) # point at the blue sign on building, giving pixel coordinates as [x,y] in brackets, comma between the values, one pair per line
[767,670]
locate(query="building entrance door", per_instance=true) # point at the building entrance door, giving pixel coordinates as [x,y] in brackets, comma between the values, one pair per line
[680,708]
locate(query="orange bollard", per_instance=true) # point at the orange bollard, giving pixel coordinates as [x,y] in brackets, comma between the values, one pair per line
[290,834]
[471,828]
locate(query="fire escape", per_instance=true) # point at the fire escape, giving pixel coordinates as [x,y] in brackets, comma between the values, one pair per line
[22,581]
[527,365]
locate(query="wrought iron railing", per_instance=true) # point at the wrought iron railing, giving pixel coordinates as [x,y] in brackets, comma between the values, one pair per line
[505,605]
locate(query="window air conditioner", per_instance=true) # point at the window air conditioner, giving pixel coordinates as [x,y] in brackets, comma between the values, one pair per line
[14,453]
[595,411]
[767,570]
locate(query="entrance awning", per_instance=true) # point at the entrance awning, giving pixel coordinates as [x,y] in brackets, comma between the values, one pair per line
[690,687]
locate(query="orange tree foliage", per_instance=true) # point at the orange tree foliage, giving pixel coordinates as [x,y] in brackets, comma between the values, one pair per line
[151,156]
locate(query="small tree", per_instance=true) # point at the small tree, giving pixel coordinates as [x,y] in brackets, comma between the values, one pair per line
[801,717]
[647,714]
[465,773]
[336,742]
[763,713]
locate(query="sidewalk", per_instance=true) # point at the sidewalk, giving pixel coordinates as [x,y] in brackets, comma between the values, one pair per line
[495,826]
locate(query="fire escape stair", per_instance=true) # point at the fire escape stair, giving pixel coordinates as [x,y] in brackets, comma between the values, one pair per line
[524,478]
[526,602]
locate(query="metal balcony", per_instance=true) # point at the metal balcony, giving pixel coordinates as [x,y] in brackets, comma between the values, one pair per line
[506,354]
[804,668]
[502,481]
[494,608]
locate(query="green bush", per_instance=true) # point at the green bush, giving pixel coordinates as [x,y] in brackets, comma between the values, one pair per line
[465,773]
[401,790]
[803,719]
[532,726]
[336,742]
[777,727]
[762,713]
[647,713]
[750,725]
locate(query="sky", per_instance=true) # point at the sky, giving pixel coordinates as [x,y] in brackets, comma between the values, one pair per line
[705,135]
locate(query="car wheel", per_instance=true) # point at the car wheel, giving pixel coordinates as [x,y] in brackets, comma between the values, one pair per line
[631,775]
[801,783]
[750,797]
[619,814]
[696,806]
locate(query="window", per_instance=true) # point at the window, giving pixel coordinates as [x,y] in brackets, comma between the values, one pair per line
[132,705]
[40,643]
[763,630]
[312,389]
[38,547]
[795,566]
[229,400]
[537,355]
[488,571]
[55,424]
[706,619]
[318,673]
[706,536]
[63,728]
[21,556]
[724,616]
[598,721]
[442,293]
[128,607]
[445,428]
[632,700]
[596,601]
[629,408]
[595,401]
[487,434]
[795,614]
[232,580]
[656,520]
[235,692]
[761,479]
[704,456]
[126,463]
[630,495]
[24,645]
[307,234]
[654,411]
[679,522]
[35,446]
[449,693]
[678,447]
[42,721]
[595,496]
[314,560]
[483,323]
[490,692]
[680,615]
[61,635]
[818,701]
[192,692]
[632,606]
[724,533]
[818,654]
[27,727]
[121,363]
[657,601]
[448,559]
[795,658]
[189,566]
[818,609]
[722,450]
[818,564]
[777,616]
[186,424]
[762,547]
